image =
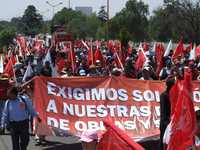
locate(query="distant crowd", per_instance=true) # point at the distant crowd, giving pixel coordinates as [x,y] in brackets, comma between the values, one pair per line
[47,56]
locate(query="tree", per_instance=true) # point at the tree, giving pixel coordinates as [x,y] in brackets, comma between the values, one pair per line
[102,14]
[124,37]
[31,21]
[160,26]
[176,19]
[75,22]
[134,18]
[6,36]
[189,14]
[93,23]
[101,32]
[17,22]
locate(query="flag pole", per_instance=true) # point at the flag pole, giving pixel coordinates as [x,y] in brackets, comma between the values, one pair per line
[72,59]
[92,52]
[15,78]
[119,61]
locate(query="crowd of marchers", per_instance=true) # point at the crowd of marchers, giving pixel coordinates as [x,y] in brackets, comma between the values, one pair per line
[46,56]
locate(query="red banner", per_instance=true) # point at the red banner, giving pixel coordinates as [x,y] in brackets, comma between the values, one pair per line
[77,104]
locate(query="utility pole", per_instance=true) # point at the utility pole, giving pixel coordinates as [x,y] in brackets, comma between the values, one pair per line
[69,4]
[108,9]
[107,23]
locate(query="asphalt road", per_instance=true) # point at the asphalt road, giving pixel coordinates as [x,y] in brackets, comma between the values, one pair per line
[53,143]
[67,143]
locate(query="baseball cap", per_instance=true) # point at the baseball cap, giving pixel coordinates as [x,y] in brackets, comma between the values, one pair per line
[89,136]
[82,72]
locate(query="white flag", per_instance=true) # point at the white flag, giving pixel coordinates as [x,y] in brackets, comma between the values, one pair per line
[169,47]
[85,44]
[154,47]
[1,64]
[54,71]
[192,53]
[48,58]
[28,73]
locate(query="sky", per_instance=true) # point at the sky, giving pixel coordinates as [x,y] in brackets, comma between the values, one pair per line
[15,8]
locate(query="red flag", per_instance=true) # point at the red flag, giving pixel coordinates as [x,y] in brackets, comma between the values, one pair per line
[61,65]
[159,57]
[173,96]
[140,60]
[98,56]
[116,50]
[6,60]
[38,45]
[189,48]
[9,67]
[72,58]
[145,46]
[116,139]
[90,57]
[22,43]
[183,121]
[122,53]
[78,43]
[179,50]
[118,61]
[66,47]
[110,46]
[197,52]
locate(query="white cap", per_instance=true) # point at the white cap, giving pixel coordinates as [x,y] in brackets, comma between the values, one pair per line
[89,136]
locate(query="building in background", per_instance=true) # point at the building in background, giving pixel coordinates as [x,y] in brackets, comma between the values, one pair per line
[85,10]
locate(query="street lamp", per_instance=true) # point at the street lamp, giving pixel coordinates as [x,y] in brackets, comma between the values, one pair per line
[54,6]
[53,10]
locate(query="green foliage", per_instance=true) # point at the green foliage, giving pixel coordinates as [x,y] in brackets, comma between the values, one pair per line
[101,32]
[16,21]
[31,20]
[134,18]
[173,20]
[4,24]
[93,24]
[63,17]
[30,23]
[124,37]
[78,24]
[179,18]
[6,36]
[160,26]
